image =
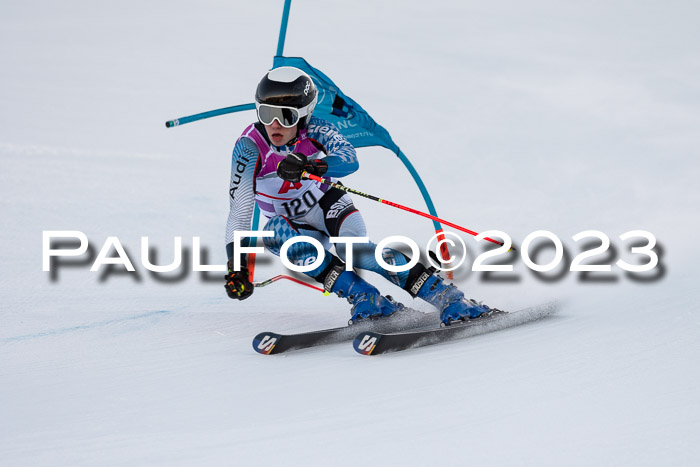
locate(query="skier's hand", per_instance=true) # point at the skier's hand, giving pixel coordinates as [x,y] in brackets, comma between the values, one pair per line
[238,285]
[292,166]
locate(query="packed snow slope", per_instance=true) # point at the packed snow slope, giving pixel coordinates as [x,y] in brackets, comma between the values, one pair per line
[519,117]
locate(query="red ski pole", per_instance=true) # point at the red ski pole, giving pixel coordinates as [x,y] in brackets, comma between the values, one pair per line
[293,279]
[396,205]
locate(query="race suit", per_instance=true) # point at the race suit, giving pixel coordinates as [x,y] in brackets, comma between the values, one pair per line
[303,208]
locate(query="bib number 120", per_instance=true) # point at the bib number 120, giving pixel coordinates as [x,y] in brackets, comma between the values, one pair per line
[297,207]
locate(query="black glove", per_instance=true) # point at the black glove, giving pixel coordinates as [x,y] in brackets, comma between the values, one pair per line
[291,167]
[238,284]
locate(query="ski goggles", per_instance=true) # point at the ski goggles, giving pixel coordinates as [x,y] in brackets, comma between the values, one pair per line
[286,116]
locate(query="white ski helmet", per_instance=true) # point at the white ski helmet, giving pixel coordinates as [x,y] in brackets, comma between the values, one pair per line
[286,94]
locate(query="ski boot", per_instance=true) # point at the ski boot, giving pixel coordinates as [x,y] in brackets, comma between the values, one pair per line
[366,300]
[448,299]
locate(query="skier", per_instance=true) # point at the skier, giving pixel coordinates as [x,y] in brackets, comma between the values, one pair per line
[268,161]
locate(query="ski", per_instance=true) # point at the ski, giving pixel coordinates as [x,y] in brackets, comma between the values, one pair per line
[374,342]
[269,343]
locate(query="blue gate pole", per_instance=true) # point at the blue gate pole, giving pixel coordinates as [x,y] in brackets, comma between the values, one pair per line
[444,250]
[421,187]
[283,28]
[208,114]
[280,51]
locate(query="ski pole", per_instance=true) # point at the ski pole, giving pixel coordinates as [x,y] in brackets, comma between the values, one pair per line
[293,279]
[384,201]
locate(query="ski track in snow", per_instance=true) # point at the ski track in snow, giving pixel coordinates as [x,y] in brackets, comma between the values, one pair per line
[82,327]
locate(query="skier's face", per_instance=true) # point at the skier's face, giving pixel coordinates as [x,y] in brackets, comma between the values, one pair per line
[279,135]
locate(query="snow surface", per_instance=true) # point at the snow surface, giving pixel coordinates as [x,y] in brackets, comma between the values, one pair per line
[519,116]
